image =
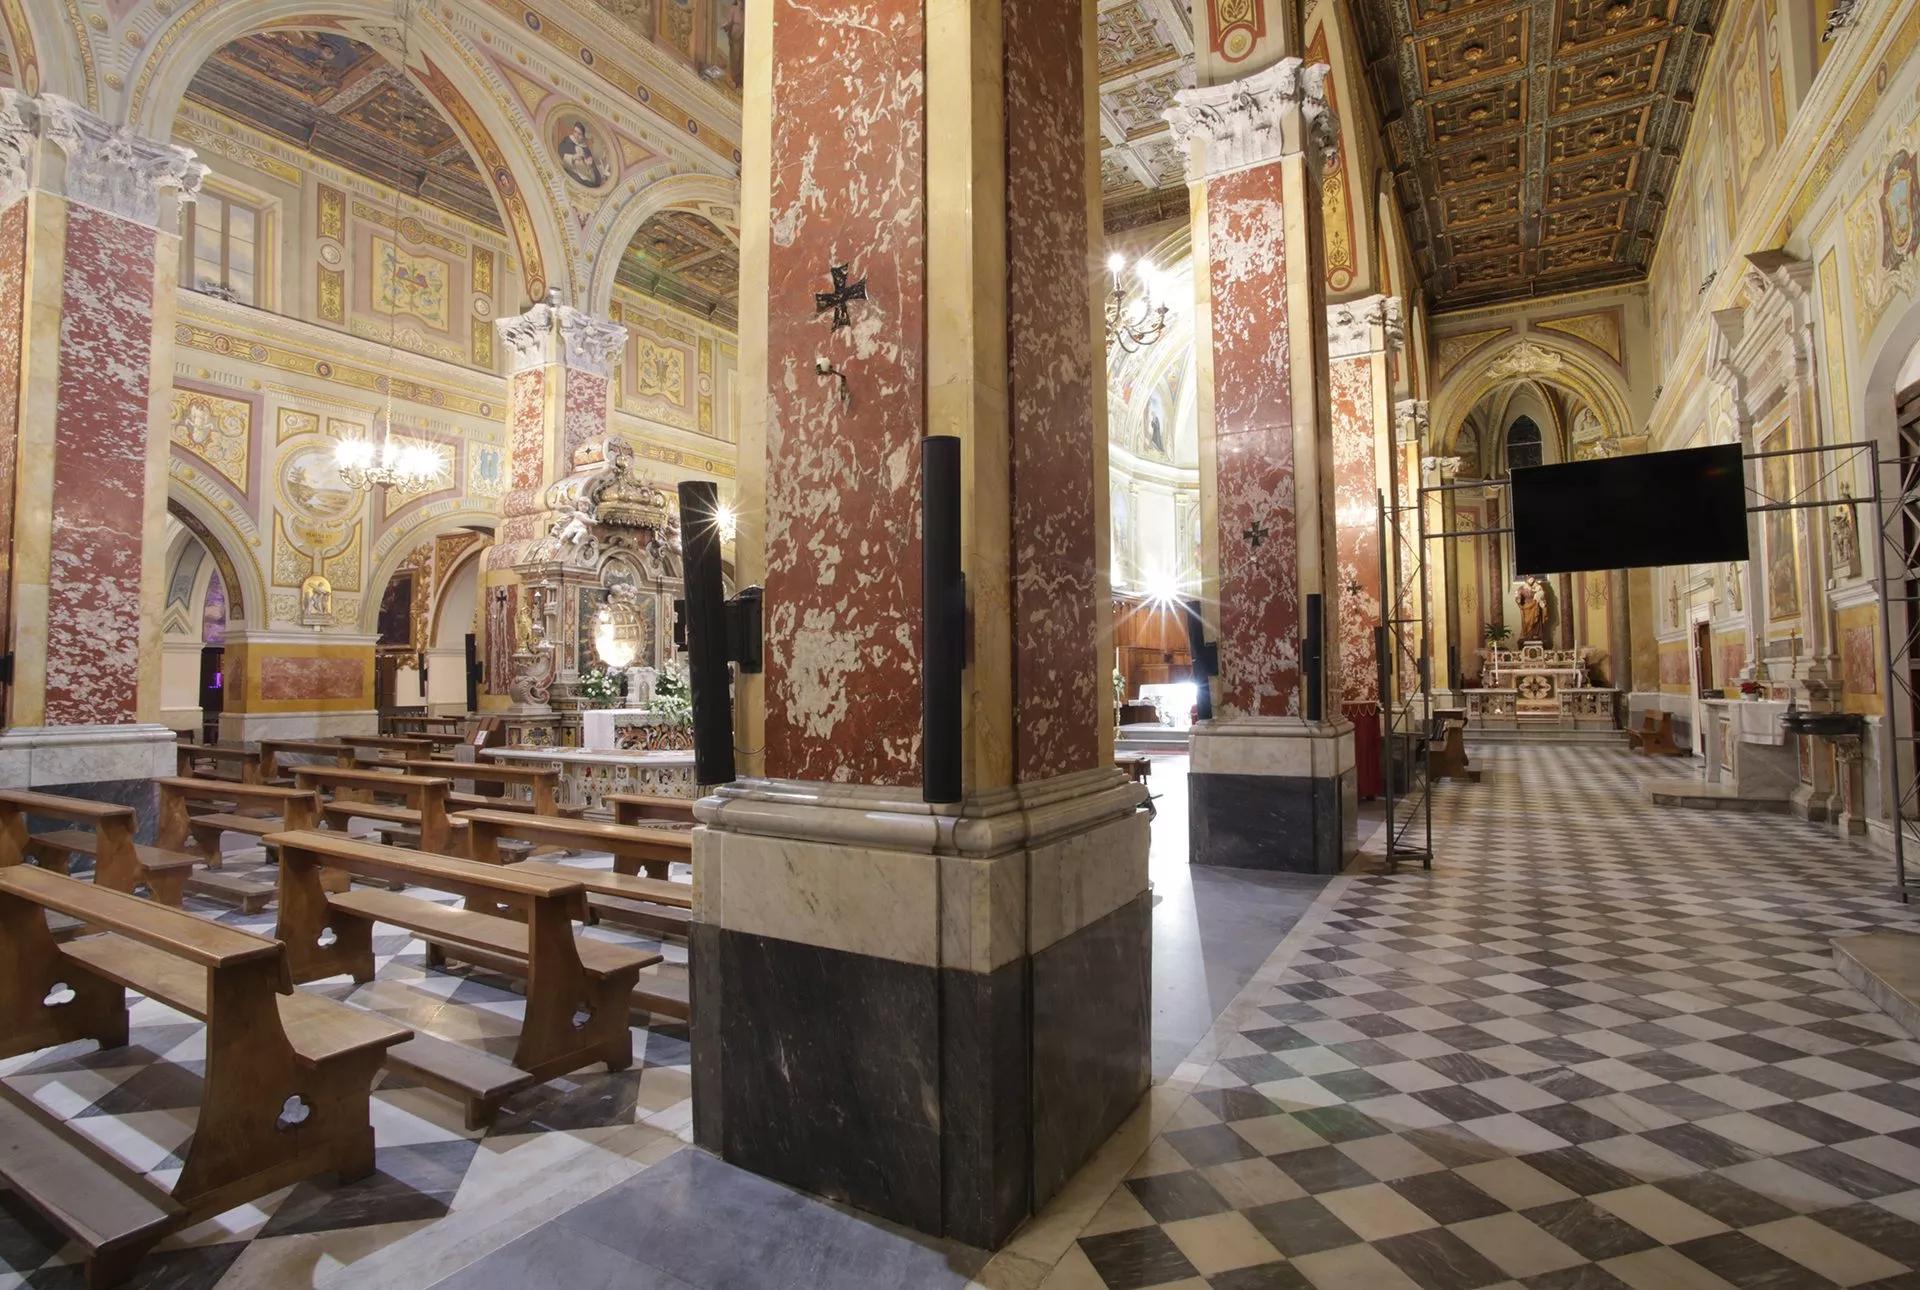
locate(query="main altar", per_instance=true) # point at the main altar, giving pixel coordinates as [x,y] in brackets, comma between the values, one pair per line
[1538,687]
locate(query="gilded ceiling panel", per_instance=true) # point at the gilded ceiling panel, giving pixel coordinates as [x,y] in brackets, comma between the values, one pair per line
[1496,45]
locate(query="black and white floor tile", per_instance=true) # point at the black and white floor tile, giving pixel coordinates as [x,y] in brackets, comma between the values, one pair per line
[1601,1044]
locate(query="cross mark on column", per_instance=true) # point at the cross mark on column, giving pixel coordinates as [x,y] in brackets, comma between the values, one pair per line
[837,299]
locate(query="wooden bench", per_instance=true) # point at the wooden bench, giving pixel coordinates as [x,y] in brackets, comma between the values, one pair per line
[283,809]
[651,810]
[1137,765]
[421,806]
[403,745]
[577,986]
[119,863]
[542,786]
[1655,737]
[272,750]
[286,1075]
[633,847]
[225,761]
[1447,758]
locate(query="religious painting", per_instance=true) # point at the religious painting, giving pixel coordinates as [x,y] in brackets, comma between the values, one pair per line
[582,149]
[316,601]
[310,479]
[501,603]
[409,284]
[1899,210]
[1783,557]
[1121,524]
[1153,433]
[215,429]
[729,43]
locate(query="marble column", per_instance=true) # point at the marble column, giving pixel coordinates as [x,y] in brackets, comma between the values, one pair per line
[1272,784]
[559,387]
[1433,612]
[931,1011]
[1361,337]
[88,260]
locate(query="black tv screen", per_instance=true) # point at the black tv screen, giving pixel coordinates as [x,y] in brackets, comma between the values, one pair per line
[1658,508]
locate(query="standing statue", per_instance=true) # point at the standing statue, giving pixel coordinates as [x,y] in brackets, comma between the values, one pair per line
[1844,526]
[1530,593]
[574,531]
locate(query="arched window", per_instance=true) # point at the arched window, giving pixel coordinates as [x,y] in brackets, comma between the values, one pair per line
[1523,444]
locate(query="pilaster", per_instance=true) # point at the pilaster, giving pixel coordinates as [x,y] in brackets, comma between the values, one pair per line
[1256,148]
[88,256]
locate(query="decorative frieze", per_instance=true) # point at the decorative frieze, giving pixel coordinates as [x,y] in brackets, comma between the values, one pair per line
[1370,325]
[1277,112]
[551,332]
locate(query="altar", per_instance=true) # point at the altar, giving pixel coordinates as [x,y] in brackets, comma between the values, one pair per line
[587,776]
[1537,687]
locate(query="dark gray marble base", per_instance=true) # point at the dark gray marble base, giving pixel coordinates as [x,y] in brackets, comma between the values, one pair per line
[952,1102]
[1092,1014]
[140,794]
[1297,824]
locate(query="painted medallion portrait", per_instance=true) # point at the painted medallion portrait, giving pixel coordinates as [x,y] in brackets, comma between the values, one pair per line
[582,148]
[1899,210]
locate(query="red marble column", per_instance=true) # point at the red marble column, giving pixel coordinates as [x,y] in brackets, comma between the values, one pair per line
[87,249]
[1268,760]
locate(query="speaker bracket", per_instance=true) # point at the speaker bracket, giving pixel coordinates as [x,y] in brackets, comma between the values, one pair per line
[744,630]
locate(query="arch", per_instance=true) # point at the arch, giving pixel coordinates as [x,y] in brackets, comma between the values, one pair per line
[704,195]
[51,51]
[440,65]
[426,530]
[242,578]
[467,563]
[1539,357]
[1522,439]
[1899,341]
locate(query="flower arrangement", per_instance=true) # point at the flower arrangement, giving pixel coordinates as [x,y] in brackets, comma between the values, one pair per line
[672,703]
[1497,634]
[1750,687]
[601,688]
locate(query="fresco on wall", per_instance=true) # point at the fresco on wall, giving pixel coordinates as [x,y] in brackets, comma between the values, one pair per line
[410,284]
[215,429]
[1783,557]
[311,480]
[1154,431]
[1883,226]
[582,149]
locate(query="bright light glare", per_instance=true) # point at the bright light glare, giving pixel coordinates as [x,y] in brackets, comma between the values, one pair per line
[1116,262]
[1162,588]
[727,520]
[615,651]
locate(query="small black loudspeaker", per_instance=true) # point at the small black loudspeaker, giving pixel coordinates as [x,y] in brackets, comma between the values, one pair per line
[943,619]
[1311,652]
[705,621]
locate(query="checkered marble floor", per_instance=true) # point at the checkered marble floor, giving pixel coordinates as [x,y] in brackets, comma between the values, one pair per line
[140,1102]
[1600,1044]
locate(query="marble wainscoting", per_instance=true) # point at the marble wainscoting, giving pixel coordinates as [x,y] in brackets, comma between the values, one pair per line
[1273,795]
[251,727]
[933,1017]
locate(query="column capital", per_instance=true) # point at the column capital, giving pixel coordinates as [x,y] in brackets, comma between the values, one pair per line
[107,166]
[1276,112]
[551,332]
[1369,325]
[1410,421]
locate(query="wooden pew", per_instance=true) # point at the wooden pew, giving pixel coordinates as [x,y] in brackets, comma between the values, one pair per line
[271,750]
[1447,759]
[119,862]
[651,810]
[242,763]
[632,847]
[1655,738]
[286,1078]
[402,745]
[566,975]
[422,804]
[1137,765]
[542,786]
[287,808]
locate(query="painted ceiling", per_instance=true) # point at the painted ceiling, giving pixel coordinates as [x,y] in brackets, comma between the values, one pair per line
[685,260]
[1146,53]
[1533,142]
[341,101]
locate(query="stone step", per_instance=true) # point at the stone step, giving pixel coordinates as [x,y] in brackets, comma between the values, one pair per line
[1884,966]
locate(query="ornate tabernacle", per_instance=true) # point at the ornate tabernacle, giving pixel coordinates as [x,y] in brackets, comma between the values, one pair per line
[1534,685]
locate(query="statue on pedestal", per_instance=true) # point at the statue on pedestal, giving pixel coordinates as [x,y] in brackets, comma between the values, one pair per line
[1530,594]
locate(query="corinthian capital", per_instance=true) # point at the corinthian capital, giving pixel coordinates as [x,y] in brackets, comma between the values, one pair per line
[551,332]
[1410,421]
[113,169]
[1369,325]
[1274,113]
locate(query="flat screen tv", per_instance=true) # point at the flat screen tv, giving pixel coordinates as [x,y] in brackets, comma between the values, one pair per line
[1658,508]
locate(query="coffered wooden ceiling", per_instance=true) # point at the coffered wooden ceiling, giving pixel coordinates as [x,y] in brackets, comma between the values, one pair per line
[1146,53]
[1533,142]
[339,100]
[687,261]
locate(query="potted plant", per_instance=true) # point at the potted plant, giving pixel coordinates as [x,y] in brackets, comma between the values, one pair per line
[672,703]
[1497,634]
[600,688]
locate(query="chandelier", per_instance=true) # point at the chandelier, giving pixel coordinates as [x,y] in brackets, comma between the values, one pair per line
[404,467]
[1133,329]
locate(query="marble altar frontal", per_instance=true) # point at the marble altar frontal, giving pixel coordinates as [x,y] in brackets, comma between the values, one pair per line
[587,776]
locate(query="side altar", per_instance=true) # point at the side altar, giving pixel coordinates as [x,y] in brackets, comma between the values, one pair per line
[587,777]
[1536,687]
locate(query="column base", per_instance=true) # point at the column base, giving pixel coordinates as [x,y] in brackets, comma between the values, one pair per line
[935,1017]
[251,727]
[1273,795]
[115,764]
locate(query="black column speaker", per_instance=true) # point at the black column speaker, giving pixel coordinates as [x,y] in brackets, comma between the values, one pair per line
[1312,652]
[706,631]
[1206,660]
[943,619]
